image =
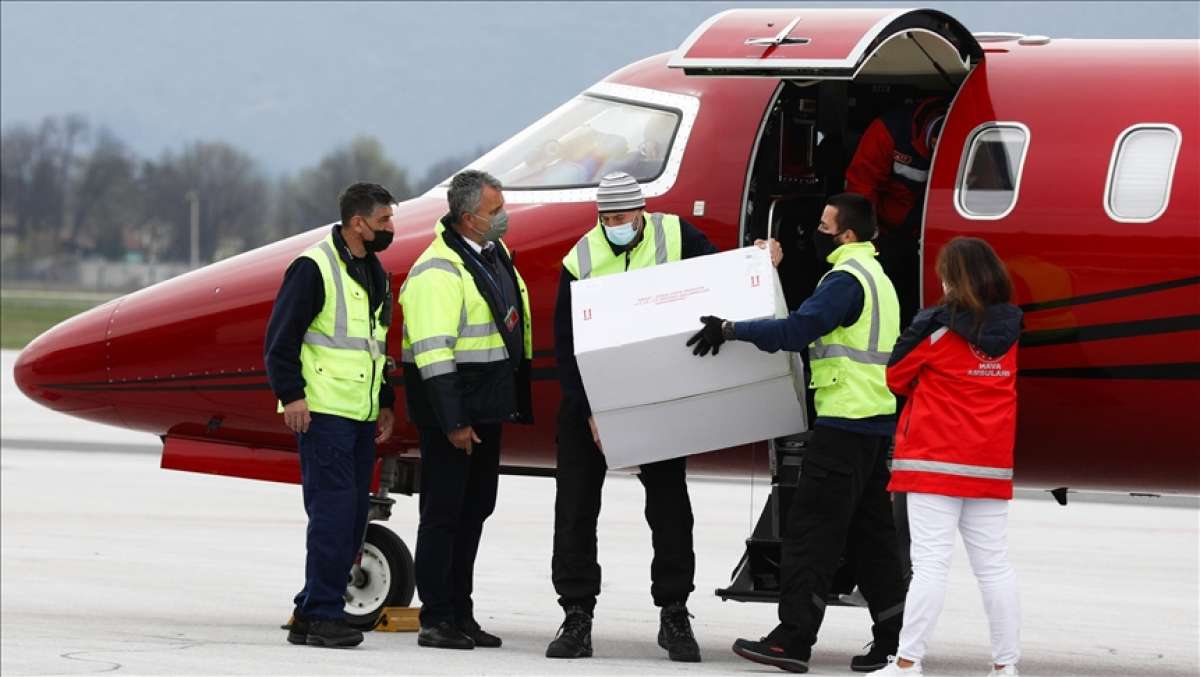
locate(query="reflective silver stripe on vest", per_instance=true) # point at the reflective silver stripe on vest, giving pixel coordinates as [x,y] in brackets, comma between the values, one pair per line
[960,469]
[872,355]
[660,240]
[477,330]
[873,338]
[440,264]
[431,343]
[344,342]
[583,252]
[339,311]
[481,356]
[438,369]
[481,330]
[820,351]
[911,173]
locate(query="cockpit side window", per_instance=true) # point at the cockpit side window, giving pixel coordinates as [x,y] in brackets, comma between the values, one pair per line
[583,140]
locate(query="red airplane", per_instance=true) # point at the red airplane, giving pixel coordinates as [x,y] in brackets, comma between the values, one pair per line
[1078,160]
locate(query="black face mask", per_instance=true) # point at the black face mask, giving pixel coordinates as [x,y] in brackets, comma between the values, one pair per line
[823,244]
[383,238]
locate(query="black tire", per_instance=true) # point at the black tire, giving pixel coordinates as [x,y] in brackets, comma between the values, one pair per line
[386,557]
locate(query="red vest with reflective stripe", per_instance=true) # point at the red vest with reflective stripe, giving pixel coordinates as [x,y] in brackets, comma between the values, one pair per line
[955,436]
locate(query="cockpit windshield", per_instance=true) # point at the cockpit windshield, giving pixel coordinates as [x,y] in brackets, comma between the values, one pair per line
[583,140]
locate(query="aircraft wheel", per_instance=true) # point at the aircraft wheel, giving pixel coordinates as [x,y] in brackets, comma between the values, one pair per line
[384,578]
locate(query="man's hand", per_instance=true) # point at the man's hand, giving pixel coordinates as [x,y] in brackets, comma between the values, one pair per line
[464,438]
[296,416]
[387,420]
[595,433]
[776,250]
[709,338]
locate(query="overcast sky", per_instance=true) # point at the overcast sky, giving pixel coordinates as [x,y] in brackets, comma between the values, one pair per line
[287,82]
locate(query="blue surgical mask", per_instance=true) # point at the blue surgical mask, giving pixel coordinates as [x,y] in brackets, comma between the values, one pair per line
[621,235]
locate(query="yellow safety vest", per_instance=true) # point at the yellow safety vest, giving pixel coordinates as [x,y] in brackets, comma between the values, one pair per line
[849,364]
[593,256]
[447,321]
[344,351]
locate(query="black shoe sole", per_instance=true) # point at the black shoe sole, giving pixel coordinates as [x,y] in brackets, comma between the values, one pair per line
[443,645]
[868,668]
[789,664]
[582,653]
[297,638]
[325,643]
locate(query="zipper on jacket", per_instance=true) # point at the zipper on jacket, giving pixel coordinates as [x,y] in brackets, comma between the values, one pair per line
[626,261]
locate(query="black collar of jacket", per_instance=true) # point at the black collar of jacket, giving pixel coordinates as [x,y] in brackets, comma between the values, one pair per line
[374,268]
[475,264]
[1001,329]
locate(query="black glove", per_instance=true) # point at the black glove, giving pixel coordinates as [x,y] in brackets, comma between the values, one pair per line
[709,338]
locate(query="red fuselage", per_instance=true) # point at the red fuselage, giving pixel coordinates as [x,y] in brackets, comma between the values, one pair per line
[1110,363]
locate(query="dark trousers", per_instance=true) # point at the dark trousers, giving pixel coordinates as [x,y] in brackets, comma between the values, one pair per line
[337,460]
[842,494]
[578,483]
[458,493]
[900,258]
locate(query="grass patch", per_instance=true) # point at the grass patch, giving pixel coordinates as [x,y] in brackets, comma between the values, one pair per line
[24,317]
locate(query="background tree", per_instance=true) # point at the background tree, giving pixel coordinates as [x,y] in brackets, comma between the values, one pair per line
[310,199]
[109,201]
[37,167]
[231,190]
[445,168]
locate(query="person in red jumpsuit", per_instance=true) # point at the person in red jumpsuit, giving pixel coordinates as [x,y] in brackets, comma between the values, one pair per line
[891,168]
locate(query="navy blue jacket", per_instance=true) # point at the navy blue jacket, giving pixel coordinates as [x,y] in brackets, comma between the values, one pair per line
[300,299]
[837,301]
[692,243]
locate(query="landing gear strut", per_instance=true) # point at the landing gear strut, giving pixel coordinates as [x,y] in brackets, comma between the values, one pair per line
[384,575]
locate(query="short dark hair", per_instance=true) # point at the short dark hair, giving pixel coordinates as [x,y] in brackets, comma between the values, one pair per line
[362,199]
[466,191]
[856,213]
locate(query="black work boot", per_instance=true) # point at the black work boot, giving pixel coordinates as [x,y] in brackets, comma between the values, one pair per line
[444,636]
[332,633]
[297,627]
[876,658]
[574,639]
[675,634]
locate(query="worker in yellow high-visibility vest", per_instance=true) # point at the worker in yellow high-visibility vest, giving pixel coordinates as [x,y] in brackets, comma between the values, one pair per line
[624,237]
[325,356]
[467,351]
[849,326]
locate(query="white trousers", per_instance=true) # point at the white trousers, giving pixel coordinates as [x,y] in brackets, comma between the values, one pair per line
[983,522]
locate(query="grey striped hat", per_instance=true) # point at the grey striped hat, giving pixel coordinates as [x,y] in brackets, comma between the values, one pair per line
[619,192]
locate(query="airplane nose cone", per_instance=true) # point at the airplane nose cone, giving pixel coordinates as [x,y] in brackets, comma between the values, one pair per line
[65,367]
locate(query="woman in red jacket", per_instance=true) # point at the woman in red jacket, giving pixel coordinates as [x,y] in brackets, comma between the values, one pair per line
[957,365]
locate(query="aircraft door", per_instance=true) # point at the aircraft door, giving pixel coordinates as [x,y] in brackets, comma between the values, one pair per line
[828,44]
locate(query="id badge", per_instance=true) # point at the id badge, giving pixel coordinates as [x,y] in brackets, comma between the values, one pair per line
[511,318]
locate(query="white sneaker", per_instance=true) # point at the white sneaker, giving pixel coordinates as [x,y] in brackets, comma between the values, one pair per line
[893,669]
[1006,671]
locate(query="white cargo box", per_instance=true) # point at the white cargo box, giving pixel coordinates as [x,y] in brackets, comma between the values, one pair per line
[651,397]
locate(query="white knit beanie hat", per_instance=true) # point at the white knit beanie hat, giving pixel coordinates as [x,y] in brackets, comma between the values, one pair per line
[619,192]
